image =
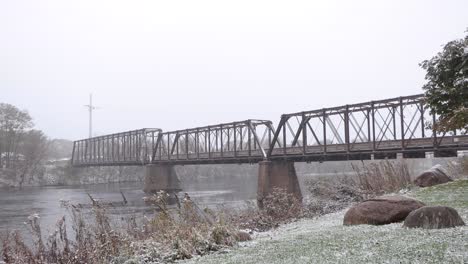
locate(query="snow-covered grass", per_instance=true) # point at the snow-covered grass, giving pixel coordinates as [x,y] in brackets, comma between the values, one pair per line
[326,240]
[454,194]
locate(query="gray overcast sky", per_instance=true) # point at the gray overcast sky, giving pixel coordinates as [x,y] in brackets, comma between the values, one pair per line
[179,64]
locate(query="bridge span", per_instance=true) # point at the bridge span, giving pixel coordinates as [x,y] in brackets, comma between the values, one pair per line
[371,130]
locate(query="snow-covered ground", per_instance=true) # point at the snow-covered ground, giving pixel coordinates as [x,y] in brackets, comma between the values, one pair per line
[326,240]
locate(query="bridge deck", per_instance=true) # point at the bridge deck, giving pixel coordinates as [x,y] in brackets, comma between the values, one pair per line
[360,151]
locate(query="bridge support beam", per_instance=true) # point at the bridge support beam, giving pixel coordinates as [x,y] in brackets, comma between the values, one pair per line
[277,174]
[160,177]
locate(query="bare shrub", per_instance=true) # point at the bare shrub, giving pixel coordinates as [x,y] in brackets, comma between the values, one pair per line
[15,250]
[464,165]
[382,177]
[184,232]
[279,207]
[95,241]
[331,194]
[458,169]
[328,195]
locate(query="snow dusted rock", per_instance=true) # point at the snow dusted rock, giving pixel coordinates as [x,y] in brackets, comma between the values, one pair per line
[432,177]
[381,211]
[434,217]
[243,236]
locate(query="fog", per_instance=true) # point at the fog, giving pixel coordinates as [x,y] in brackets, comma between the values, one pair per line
[180,64]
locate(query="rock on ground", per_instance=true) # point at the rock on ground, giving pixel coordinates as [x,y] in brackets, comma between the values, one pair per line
[243,236]
[432,177]
[381,211]
[434,217]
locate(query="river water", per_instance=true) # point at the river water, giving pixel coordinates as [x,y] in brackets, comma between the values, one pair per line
[17,205]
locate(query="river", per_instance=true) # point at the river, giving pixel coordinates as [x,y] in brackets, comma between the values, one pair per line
[17,205]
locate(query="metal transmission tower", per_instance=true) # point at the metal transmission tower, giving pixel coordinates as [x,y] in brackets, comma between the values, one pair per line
[91,107]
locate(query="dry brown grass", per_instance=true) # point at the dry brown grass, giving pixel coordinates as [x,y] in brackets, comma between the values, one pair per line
[458,169]
[279,207]
[330,194]
[464,166]
[170,235]
[94,241]
[382,177]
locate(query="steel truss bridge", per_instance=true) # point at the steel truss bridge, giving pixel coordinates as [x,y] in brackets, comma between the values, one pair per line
[376,129]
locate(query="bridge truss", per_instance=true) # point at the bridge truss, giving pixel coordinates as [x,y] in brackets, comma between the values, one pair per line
[380,128]
[237,142]
[376,129]
[125,148]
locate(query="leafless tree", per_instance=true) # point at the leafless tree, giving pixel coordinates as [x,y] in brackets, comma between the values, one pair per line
[33,149]
[13,124]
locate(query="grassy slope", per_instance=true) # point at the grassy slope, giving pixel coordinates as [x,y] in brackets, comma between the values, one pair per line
[326,240]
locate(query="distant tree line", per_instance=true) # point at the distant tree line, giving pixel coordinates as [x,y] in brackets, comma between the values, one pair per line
[23,149]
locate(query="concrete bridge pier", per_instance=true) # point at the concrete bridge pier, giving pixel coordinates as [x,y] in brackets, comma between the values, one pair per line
[161,177]
[277,174]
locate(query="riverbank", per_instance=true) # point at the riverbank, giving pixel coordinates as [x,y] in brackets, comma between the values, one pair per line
[60,173]
[326,240]
[184,233]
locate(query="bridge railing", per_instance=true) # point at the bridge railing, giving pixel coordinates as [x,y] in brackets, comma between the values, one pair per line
[243,141]
[385,126]
[125,148]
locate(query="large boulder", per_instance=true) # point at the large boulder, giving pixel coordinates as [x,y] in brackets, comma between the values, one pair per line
[432,177]
[381,211]
[434,217]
